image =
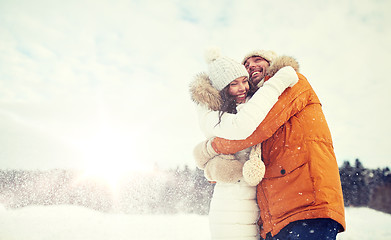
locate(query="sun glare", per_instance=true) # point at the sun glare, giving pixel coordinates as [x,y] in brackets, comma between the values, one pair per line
[109,156]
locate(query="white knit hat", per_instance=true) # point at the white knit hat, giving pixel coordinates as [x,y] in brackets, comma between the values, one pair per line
[223,70]
[268,55]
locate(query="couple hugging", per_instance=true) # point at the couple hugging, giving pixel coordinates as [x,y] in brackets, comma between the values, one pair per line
[269,151]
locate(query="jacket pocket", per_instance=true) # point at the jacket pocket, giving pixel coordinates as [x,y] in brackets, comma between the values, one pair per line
[288,188]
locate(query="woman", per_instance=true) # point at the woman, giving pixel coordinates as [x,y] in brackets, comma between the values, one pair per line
[233,210]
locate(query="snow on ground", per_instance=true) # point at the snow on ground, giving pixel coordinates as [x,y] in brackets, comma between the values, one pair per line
[366,223]
[78,223]
[73,223]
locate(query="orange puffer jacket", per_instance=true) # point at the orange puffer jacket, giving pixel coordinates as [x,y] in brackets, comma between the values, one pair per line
[302,178]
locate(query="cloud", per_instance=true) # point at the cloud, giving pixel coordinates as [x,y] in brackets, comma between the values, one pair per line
[70,69]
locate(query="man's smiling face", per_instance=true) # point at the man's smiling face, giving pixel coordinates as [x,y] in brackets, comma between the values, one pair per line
[256,67]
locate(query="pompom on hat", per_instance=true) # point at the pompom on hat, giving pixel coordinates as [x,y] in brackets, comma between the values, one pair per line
[222,70]
[268,55]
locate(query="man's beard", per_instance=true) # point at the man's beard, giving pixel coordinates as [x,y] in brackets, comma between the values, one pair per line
[257,79]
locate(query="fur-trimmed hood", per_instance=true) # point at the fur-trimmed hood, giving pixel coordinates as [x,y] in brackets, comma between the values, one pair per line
[281,62]
[202,92]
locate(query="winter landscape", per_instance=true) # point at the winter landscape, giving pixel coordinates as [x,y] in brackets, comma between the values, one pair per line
[161,204]
[79,223]
[97,127]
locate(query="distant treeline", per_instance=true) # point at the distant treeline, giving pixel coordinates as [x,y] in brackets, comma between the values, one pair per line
[158,192]
[163,191]
[366,187]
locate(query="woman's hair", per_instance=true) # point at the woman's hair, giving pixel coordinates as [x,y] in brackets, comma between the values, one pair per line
[228,101]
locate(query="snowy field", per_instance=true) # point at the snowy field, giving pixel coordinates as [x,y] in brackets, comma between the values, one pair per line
[73,223]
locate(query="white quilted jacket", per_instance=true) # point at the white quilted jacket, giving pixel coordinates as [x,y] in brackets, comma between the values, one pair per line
[233,210]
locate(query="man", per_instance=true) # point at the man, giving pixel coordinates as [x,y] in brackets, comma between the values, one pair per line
[300,196]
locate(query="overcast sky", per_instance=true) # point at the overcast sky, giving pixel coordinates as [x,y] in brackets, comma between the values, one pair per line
[83,80]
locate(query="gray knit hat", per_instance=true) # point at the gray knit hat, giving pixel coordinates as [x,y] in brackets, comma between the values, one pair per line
[223,70]
[268,55]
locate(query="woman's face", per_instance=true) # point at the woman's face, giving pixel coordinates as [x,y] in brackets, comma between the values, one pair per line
[238,88]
